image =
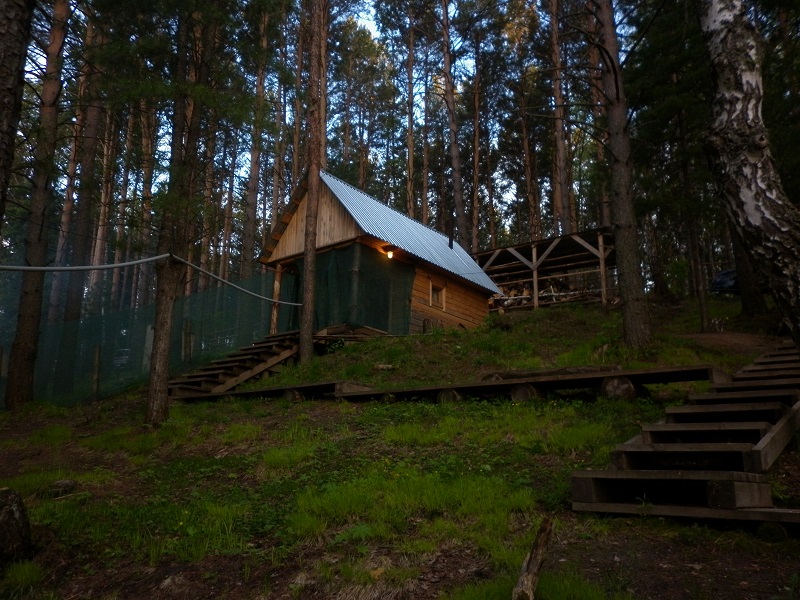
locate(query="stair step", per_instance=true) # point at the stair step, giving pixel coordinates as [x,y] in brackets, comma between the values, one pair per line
[770,515]
[177,391]
[777,358]
[235,363]
[767,375]
[781,366]
[739,412]
[687,433]
[647,488]
[696,456]
[259,352]
[787,383]
[787,397]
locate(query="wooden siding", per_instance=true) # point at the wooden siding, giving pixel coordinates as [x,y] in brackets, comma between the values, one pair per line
[463,306]
[334,225]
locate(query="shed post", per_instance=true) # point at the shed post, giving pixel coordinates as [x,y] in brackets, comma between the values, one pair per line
[602,252]
[96,373]
[355,278]
[276,295]
[534,260]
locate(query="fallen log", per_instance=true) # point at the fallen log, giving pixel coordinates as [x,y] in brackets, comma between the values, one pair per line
[529,575]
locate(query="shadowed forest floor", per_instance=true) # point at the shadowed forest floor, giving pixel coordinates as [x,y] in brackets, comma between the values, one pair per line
[323,499]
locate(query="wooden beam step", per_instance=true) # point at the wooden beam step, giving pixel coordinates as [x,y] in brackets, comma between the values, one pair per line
[255,370]
[647,488]
[784,396]
[767,451]
[235,363]
[707,413]
[771,515]
[261,349]
[782,366]
[771,384]
[687,433]
[190,391]
[777,358]
[767,375]
[697,456]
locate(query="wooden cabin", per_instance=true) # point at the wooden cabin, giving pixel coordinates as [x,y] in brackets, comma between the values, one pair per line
[376,267]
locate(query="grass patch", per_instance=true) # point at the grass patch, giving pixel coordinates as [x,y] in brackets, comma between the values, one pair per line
[51,435]
[22,578]
[383,505]
[239,433]
[364,498]
[36,483]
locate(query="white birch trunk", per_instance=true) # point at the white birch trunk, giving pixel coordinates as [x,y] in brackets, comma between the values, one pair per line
[740,156]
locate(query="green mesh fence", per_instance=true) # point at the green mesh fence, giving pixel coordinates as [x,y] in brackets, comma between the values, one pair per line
[108,352]
[359,286]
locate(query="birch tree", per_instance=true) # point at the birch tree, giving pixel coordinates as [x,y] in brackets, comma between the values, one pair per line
[739,152]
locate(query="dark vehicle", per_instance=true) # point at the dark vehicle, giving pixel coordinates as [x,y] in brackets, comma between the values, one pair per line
[725,282]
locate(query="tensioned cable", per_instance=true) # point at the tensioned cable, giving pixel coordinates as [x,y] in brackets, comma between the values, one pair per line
[142,261]
[233,285]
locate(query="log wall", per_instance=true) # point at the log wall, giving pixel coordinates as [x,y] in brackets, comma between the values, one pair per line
[460,306]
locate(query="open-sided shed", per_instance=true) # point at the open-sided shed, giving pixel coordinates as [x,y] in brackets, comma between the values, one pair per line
[578,266]
[376,267]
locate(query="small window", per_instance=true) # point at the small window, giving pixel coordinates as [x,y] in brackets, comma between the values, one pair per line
[437,296]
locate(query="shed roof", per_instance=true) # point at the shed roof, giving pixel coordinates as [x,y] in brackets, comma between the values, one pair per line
[393,227]
[385,223]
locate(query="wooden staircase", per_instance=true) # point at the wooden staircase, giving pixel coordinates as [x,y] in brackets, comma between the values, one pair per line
[260,358]
[707,459]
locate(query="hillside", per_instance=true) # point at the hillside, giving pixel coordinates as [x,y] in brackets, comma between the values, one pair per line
[318,499]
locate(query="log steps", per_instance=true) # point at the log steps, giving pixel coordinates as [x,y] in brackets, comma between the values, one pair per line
[258,359]
[706,459]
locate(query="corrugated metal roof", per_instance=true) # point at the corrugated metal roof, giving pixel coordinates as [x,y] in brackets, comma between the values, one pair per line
[393,227]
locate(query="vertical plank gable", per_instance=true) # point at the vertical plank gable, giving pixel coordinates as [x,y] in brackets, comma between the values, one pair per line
[334,225]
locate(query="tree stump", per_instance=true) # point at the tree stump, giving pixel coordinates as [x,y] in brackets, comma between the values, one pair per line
[525,392]
[529,575]
[448,395]
[15,529]
[618,387]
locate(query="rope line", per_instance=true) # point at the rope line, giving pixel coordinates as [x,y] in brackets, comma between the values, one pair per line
[142,261]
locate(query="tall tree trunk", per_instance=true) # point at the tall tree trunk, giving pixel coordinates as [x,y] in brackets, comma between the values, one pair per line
[561,205]
[24,349]
[227,227]
[750,289]
[635,317]
[315,148]
[425,206]
[598,112]
[529,164]
[738,146]
[279,161]
[210,208]
[110,140]
[15,33]
[81,231]
[297,115]
[254,178]
[476,145]
[148,126]
[117,276]
[410,115]
[62,246]
[175,228]
[455,153]
[699,280]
